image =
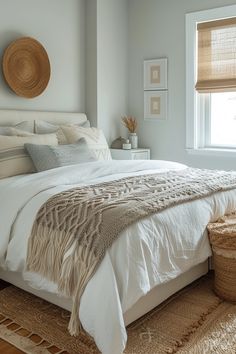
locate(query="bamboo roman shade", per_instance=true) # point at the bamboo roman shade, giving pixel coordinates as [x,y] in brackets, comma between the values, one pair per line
[217,56]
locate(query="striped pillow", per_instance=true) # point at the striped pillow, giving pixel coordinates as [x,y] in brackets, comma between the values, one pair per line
[14,160]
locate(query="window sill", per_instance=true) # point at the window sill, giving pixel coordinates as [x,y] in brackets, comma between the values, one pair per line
[212,152]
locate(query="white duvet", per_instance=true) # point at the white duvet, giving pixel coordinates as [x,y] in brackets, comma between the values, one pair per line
[150,252]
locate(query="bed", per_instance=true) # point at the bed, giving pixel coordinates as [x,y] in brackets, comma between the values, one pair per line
[170,249]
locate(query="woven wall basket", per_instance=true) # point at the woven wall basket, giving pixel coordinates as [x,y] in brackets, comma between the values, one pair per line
[26,67]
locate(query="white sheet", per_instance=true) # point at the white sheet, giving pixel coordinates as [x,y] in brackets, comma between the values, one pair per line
[148,253]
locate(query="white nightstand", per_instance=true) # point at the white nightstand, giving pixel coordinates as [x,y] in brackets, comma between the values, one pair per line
[133,154]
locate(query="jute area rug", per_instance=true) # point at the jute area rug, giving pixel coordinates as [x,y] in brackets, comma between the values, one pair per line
[194,321]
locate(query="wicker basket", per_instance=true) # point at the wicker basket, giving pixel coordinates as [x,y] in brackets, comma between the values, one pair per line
[222,236]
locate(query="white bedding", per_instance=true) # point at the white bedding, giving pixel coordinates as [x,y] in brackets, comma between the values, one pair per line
[152,251]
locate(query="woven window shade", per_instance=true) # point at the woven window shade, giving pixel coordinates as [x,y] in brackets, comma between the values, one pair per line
[217,56]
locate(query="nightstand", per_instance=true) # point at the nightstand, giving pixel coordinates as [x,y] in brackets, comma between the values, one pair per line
[133,154]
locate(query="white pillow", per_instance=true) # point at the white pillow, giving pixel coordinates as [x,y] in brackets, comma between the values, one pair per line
[14,160]
[44,127]
[94,138]
[25,125]
[11,131]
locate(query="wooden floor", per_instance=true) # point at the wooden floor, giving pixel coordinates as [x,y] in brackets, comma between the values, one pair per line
[6,348]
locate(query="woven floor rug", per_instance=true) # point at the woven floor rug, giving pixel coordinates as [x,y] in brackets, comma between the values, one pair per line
[193,321]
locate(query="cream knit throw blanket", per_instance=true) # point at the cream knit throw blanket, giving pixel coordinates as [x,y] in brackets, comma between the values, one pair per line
[73,229]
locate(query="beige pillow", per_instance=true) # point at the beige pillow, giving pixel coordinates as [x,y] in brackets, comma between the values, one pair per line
[94,138]
[14,160]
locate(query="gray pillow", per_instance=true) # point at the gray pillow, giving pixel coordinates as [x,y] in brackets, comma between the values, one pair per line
[46,157]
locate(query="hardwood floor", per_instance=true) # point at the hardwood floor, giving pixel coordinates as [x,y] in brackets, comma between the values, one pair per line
[6,348]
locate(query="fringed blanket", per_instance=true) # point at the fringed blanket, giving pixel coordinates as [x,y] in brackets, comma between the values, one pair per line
[73,229]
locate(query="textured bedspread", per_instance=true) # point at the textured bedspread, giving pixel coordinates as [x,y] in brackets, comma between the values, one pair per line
[91,218]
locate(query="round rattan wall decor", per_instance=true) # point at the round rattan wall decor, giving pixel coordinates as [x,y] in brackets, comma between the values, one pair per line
[26,67]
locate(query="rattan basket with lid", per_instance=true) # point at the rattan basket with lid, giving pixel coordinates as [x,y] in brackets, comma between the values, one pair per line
[222,235]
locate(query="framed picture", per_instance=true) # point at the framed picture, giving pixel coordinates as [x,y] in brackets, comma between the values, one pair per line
[155,105]
[155,74]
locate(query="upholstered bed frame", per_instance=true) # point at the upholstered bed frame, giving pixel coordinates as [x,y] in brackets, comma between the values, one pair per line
[11,117]
[152,299]
[147,302]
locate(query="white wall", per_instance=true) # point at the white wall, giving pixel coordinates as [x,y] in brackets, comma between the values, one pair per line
[59,25]
[112,65]
[106,48]
[157,29]
[91,103]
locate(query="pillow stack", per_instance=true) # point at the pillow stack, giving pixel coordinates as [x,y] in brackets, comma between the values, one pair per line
[71,133]
[22,151]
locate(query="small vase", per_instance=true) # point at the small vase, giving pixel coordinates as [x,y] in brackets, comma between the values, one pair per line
[133,138]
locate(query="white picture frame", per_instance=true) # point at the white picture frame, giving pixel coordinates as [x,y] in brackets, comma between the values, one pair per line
[155,105]
[155,74]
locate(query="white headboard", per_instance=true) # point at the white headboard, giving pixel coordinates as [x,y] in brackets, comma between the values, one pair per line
[11,117]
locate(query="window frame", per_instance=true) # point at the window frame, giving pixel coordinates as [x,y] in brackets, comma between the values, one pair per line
[195,144]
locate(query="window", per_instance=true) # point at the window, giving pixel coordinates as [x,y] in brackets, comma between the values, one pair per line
[211,80]
[219,120]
